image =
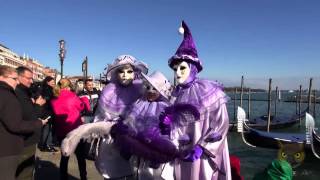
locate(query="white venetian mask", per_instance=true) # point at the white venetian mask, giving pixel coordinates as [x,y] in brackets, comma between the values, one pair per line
[181,72]
[125,75]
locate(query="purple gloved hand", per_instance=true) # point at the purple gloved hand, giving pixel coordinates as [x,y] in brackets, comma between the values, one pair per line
[194,154]
[214,137]
[167,119]
[165,123]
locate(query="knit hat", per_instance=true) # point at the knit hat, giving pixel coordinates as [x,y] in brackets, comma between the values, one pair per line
[187,50]
[123,60]
[159,82]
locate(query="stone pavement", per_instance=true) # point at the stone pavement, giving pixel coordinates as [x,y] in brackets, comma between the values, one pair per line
[48,167]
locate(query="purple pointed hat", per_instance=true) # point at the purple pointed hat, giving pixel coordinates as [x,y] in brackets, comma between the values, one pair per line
[187,50]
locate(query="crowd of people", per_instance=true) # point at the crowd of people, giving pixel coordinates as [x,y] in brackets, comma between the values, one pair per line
[150,128]
[30,119]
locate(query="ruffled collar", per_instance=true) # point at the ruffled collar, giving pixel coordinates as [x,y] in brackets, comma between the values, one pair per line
[146,114]
[185,85]
[116,98]
[200,93]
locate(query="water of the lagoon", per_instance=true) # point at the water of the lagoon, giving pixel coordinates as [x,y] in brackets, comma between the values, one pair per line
[254,160]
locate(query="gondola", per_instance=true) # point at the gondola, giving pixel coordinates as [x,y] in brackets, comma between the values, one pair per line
[276,122]
[258,138]
[313,139]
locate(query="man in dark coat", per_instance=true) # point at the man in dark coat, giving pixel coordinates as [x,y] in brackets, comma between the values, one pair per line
[31,111]
[12,127]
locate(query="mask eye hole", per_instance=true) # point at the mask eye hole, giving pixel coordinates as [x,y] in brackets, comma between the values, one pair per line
[150,88]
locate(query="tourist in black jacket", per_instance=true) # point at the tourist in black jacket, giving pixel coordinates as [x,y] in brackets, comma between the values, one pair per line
[12,127]
[45,89]
[31,111]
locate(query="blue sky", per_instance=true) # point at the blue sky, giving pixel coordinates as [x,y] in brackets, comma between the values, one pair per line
[259,39]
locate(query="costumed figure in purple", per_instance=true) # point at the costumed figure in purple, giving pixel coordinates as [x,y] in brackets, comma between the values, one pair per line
[143,120]
[115,101]
[144,136]
[202,143]
[124,88]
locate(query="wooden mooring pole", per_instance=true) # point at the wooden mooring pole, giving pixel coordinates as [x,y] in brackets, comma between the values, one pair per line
[300,97]
[234,105]
[309,96]
[275,102]
[314,103]
[269,105]
[241,93]
[297,100]
[249,103]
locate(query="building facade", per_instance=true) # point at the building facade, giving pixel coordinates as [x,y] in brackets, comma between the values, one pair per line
[47,71]
[36,68]
[9,58]
[12,59]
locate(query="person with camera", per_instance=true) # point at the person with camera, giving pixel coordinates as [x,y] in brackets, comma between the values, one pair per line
[45,89]
[32,109]
[12,127]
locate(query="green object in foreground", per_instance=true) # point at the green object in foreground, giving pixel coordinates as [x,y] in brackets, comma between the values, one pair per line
[277,170]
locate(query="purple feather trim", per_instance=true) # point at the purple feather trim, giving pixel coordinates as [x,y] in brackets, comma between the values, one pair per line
[187,107]
[159,150]
[182,114]
[184,57]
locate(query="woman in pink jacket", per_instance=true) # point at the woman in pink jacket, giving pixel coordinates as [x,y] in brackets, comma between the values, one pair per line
[67,108]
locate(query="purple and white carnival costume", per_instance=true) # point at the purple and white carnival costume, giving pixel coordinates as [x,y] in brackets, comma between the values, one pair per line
[145,116]
[210,101]
[114,103]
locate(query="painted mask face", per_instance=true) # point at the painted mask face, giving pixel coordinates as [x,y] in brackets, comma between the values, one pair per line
[125,75]
[181,72]
[151,93]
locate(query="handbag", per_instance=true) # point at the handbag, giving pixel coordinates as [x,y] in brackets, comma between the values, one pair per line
[92,149]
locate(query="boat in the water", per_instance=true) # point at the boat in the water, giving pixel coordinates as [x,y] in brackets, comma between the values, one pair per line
[259,138]
[313,139]
[276,122]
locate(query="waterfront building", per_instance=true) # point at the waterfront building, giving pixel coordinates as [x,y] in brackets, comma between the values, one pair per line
[12,59]
[9,58]
[36,68]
